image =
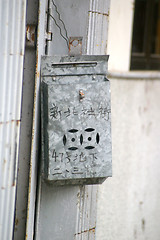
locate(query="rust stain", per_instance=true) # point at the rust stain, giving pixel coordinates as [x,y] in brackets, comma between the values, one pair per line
[88,230]
[30,35]
[18,122]
[33,37]
[36,64]
[12,121]
[16,221]
[38,74]
[104,14]
[143,224]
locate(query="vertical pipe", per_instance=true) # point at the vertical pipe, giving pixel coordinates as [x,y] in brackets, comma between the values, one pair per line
[12,39]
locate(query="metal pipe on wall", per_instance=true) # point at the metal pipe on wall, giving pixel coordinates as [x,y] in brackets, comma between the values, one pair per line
[12,40]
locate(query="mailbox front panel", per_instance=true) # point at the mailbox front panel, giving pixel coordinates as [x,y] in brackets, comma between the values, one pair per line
[77,132]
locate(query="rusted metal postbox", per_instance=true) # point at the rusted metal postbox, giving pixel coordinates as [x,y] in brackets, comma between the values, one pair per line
[76,119]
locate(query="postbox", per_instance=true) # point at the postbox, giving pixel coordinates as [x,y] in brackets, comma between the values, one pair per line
[76,119]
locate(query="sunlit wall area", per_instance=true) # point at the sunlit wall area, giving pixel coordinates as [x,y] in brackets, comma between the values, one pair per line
[128,203]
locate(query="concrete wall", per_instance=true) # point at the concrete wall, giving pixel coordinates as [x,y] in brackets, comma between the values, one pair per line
[120,34]
[128,204]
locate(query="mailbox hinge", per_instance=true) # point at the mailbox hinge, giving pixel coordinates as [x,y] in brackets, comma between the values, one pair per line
[48,36]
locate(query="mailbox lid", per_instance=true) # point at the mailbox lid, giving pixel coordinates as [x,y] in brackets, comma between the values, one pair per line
[79,65]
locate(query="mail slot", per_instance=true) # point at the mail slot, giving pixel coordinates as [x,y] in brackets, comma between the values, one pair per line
[76,120]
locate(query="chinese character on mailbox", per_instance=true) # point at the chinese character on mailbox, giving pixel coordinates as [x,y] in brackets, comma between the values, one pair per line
[76,120]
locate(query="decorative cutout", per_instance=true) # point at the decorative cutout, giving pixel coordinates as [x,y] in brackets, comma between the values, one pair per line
[97,138]
[81,139]
[89,147]
[89,129]
[73,130]
[64,140]
[72,148]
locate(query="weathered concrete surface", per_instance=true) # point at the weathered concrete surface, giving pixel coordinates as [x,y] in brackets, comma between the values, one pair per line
[128,205]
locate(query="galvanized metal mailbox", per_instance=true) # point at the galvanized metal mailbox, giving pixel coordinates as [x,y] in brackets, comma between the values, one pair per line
[76,119]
